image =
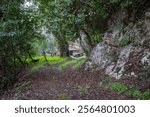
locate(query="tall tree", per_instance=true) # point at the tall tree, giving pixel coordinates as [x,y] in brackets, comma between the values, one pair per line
[18,29]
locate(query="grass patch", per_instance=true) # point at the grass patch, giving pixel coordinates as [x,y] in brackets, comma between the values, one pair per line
[79,63]
[64,97]
[41,62]
[76,64]
[118,87]
[55,60]
[66,64]
[84,89]
[51,60]
[130,91]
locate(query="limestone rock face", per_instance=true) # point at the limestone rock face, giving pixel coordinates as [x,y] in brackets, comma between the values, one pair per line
[131,53]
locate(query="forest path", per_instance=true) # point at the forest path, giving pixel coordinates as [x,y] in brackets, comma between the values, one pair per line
[49,83]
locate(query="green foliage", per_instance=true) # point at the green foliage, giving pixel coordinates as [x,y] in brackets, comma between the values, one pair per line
[146,95]
[118,87]
[137,94]
[68,18]
[51,60]
[130,91]
[64,97]
[84,89]
[56,60]
[97,38]
[18,29]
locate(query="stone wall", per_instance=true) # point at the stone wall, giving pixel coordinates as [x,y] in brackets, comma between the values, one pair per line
[125,50]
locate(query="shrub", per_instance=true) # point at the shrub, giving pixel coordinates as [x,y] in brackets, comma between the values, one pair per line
[137,94]
[146,95]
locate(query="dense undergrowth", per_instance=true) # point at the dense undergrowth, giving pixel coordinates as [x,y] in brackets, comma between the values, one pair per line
[132,91]
[38,63]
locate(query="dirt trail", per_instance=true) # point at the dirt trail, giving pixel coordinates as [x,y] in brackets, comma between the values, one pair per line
[53,84]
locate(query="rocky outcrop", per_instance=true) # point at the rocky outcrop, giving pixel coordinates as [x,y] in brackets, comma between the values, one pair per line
[125,51]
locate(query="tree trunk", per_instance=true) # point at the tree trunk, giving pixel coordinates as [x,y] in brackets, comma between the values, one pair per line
[63,44]
[44,54]
[64,48]
[85,45]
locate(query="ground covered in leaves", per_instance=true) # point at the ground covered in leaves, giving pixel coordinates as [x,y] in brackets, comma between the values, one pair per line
[51,83]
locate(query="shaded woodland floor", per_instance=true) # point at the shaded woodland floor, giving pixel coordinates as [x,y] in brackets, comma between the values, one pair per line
[50,83]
